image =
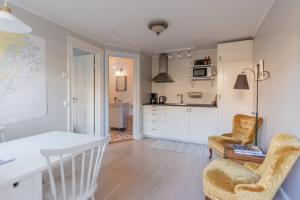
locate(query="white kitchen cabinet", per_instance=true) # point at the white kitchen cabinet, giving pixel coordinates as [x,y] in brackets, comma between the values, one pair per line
[203,123]
[155,128]
[233,57]
[154,121]
[183,123]
[177,122]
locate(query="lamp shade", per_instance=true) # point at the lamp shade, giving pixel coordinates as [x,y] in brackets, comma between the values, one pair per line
[241,82]
[11,24]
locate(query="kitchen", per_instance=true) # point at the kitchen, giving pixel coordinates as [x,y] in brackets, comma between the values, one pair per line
[186,104]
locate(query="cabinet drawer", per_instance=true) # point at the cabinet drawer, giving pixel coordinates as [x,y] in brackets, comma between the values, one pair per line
[154,116]
[154,108]
[29,188]
[154,128]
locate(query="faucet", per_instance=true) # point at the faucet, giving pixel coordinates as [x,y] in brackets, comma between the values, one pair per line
[181,98]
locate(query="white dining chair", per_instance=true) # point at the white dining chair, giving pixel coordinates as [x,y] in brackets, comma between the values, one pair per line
[81,181]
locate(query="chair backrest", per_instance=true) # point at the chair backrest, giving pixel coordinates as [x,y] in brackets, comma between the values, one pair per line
[90,157]
[2,134]
[244,128]
[283,152]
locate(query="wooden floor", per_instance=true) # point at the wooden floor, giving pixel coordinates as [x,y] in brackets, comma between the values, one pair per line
[134,171]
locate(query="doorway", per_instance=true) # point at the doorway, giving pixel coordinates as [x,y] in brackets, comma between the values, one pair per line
[120,99]
[85,88]
[127,95]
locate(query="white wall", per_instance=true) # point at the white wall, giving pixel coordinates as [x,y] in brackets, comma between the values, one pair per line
[127,66]
[179,70]
[146,77]
[278,43]
[56,63]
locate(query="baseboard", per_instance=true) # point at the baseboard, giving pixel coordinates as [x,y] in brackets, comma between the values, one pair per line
[283,194]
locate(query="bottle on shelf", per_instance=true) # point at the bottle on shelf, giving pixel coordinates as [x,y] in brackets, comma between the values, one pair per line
[205,61]
[208,60]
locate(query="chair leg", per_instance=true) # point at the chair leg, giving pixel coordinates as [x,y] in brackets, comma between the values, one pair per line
[207,198]
[93,197]
[210,153]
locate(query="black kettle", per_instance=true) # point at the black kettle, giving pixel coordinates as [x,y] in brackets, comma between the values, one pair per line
[162,100]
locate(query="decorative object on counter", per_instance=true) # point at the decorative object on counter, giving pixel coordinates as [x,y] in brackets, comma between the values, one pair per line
[243,132]
[158,27]
[162,100]
[121,83]
[242,84]
[9,23]
[195,94]
[153,98]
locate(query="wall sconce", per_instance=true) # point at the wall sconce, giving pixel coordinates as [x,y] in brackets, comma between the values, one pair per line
[120,72]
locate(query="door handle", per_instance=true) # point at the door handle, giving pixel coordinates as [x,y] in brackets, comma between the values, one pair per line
[74,99]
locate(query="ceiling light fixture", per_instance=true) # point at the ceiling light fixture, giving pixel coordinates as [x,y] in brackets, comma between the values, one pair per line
[158,27]
[9,23]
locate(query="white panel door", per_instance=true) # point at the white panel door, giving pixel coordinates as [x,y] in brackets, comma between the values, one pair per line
[177,122]
[232,101]
[84,94]
[203,123]
[233,58]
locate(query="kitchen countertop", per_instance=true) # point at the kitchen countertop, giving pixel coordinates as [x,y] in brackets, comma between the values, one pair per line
[183,105]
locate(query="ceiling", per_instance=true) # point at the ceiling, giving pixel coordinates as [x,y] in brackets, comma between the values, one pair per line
[192,23]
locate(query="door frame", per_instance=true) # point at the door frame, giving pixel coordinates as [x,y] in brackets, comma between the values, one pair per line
[136,91]
[99,73]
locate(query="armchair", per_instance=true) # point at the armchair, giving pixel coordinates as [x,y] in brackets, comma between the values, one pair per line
[243,132]
[228,180]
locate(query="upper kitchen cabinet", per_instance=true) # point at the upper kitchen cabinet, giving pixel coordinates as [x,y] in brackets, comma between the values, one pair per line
[235,51]
[233,57]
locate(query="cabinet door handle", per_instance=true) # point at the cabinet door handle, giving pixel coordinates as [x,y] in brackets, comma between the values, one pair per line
[153,121]
[153,114]
[153,110]
[153,129]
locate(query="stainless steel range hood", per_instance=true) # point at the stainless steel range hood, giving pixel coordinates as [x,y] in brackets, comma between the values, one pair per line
[163,76]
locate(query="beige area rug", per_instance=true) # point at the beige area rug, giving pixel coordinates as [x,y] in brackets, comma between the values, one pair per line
[117,136]
[181,147]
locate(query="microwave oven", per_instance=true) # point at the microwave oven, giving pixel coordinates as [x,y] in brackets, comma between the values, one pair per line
[202,72]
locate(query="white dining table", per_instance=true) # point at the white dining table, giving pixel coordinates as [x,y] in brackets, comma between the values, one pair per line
[22,177]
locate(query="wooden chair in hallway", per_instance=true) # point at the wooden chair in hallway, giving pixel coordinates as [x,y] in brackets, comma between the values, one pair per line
[81,181]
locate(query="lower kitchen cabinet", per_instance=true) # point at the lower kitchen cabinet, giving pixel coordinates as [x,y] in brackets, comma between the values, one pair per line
[203,123]
[193,124]
[177,122]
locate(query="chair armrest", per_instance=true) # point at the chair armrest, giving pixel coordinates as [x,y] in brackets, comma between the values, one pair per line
[248,188]
[252,166]
[227,134]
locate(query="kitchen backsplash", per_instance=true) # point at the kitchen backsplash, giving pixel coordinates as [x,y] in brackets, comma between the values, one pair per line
[179,70]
